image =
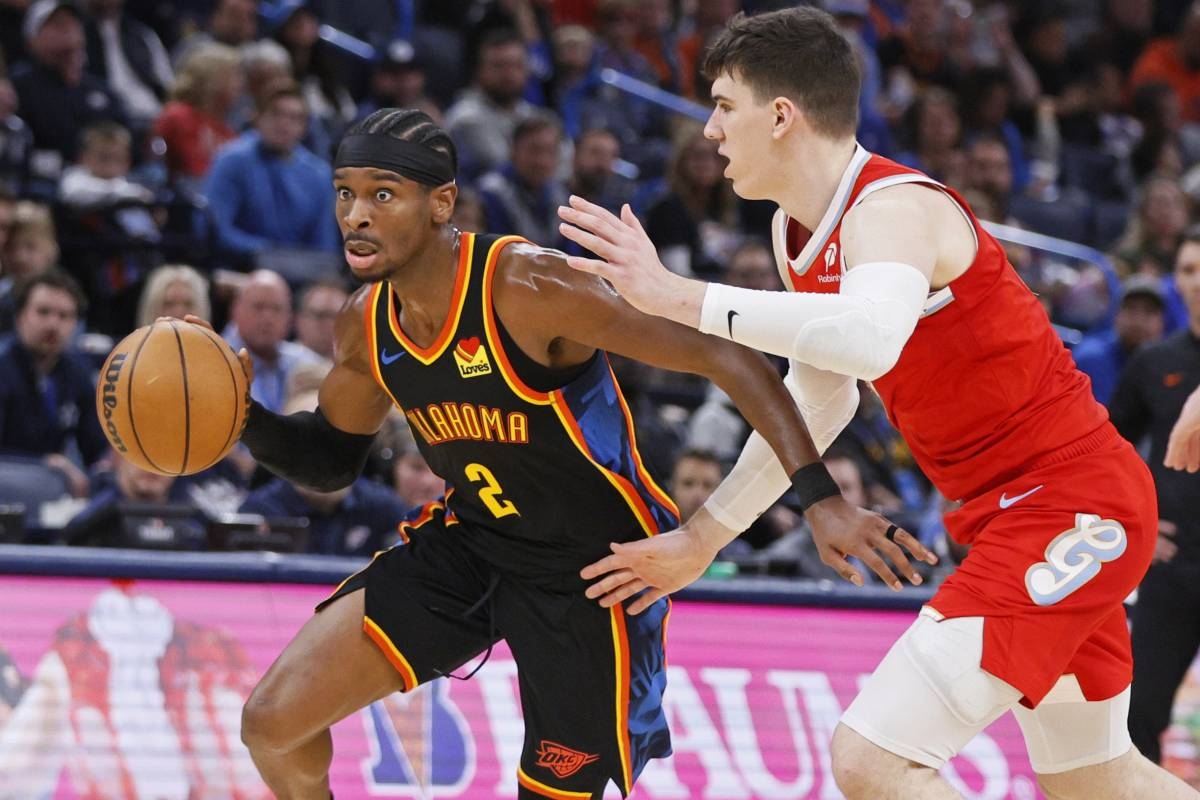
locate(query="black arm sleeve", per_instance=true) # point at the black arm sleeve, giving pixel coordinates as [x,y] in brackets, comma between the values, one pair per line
[305,449]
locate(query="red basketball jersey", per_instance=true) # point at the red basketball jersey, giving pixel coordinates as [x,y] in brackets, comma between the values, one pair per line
[984,389]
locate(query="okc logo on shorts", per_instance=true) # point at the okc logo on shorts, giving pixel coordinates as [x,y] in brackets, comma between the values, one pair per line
[562,760]
[472,358]
[1074,557]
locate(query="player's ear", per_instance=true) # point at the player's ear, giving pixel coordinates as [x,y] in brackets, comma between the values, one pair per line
[785,112]
[441,202]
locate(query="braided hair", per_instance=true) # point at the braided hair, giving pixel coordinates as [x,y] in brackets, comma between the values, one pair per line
[411,125]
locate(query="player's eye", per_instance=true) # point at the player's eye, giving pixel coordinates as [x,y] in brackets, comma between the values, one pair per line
[383,195]
[343,193]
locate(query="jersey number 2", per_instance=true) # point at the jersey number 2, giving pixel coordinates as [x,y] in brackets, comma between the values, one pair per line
[491,491]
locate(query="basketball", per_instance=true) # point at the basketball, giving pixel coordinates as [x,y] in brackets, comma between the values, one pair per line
[172,398]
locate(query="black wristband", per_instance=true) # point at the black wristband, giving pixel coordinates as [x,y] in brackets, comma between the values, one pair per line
[813,484]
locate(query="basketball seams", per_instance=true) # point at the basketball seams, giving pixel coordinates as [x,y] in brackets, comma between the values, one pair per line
[129,400]
[211,338]
[187,400]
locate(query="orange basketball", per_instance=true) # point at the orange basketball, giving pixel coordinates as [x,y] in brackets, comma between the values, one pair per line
[172,398]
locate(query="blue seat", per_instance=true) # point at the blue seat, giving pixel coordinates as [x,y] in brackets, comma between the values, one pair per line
[28,482]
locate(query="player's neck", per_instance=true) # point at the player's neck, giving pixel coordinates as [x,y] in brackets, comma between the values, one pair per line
[811,177]
[425,285]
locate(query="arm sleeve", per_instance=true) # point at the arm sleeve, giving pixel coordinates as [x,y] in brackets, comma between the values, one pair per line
[828,402]
[305,449]
[859,331]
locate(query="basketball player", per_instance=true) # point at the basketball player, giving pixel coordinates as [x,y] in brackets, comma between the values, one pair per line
[489,345]
[894,281]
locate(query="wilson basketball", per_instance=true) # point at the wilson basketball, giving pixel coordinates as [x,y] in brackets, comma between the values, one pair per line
[172,398]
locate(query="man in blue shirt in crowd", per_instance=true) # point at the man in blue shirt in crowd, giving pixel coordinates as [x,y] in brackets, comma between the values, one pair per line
[1139,320]
[47,394]
[266,191]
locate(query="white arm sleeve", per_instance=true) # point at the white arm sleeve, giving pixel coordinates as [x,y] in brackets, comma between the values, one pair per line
[828,402]
[859,331]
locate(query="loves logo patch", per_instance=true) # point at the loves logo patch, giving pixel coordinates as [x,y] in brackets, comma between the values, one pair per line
[562,760]
[472,358]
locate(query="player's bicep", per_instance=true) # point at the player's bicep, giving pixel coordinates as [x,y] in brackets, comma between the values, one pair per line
[893,225]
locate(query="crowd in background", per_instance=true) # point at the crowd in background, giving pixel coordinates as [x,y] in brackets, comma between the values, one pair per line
[168,158]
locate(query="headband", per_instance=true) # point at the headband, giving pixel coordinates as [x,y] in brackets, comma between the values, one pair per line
[418,162]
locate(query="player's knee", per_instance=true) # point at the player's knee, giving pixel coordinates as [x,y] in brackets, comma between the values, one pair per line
[265,727]
[855,769]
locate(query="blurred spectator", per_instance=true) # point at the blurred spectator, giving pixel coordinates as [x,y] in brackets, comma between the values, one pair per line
[266,65]
[265,190]
[576,81]
[893,480]
[415,483]
[174,290]
[8,212]
[1155,230]
[56,97]
[989,172]
[130,58]
[259,321]
[47,394]
[96,524]
[696,30]
[12,42]
[658,43]
[30,248]
[934,137]
[1124,28]
[331,108]
[1042,32]
[319,305]
[592,176]
[193,124]
[1175,60]
[100,179]
[398,81]
[16,140]
[1140,319]
[483,119]
[696,474]
[357,520]
[916,55]
[988,111]
[468,211]
[523,197]
[853,18]
[232,23]
[1147,401]
[693,224]
[1166,142]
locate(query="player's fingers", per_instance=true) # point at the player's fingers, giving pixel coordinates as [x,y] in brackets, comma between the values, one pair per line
[900,559]
[600,268]
[1193,457]
[194,320]
[609,229]
[610,582]
[879,567]
[599,212]
[838,563]
[602,567]
[912,545]
[622,592]
[601,247]
[647,599]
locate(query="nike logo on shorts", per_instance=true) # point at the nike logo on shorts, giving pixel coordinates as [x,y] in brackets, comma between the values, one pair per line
[732,314]
[388,359]
[1006,501]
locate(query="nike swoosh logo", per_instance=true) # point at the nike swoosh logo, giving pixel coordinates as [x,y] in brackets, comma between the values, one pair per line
[386,359]
[1006,501]
[732,314]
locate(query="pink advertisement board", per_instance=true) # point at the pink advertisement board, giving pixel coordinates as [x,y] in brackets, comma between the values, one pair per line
[133,689]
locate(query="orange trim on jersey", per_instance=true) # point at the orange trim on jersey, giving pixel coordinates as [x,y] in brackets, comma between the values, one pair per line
[636,504]
[666,619]
[427,512]
[428,355]
[492,330]
[654,489]
[390,652]
[534,785]
[621,659]
[372,314]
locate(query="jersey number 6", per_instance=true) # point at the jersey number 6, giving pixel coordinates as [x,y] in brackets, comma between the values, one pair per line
[491,491]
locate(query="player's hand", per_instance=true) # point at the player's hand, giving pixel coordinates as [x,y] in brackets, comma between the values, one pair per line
[841,530]
[243,355]
[1165,547]
[659,565]
[630,261]
[1183,446]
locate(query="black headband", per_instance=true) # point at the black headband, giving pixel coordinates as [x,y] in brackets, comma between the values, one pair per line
[416,161]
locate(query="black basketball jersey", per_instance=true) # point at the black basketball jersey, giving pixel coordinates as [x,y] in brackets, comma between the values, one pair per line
[541,479]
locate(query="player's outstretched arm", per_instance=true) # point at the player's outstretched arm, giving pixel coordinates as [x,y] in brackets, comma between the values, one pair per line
[1183,446]
[324,449]
[556,305]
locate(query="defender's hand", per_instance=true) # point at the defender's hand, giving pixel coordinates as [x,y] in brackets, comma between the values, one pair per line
[841,530]
[1183,446]
[661,564]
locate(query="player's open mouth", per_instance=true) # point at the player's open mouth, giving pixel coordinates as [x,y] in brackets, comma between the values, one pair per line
[361,255]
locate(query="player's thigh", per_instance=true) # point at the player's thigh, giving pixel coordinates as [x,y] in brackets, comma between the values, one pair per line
[592,681]
[328,671]
[930,696]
